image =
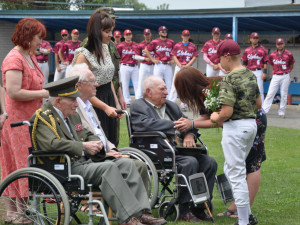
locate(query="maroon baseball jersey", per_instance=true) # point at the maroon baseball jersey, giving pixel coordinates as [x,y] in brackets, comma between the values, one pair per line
[184,53]
[255,57]
[69,48]
[210,48]
[281,62]
[161,48]
[127,52]
[57,47]
[42,57]
[140,50]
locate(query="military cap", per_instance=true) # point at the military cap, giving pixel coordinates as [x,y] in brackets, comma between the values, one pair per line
[64,88]
[110,11]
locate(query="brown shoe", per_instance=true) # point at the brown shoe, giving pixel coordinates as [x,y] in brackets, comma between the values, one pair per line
[190,217]
[202,215]
[133,221]
[148,219]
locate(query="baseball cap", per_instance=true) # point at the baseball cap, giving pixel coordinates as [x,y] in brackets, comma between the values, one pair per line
[74,31]
[147,31]
[215,30]
[64,31]
[279,41]
[110,11]
[228,36]
[127,31]
[161,28]
[254,35]
[185,33]
[117,33]
[227,47]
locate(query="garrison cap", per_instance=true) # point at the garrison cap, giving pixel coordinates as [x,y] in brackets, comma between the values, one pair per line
[110,11]
[64,88]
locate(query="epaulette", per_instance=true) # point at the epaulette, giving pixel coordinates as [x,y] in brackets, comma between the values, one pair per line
[47,111]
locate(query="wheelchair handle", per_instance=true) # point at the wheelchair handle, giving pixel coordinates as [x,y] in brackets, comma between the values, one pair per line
[20,123]
[120,111]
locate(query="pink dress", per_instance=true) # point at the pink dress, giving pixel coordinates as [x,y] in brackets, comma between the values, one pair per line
[15,141]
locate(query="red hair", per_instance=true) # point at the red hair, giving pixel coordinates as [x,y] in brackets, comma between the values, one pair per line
[25,30]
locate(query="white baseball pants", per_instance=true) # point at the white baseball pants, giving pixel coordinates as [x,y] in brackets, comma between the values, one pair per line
[127,72]
[164,71]
[260,84]
[173,92]
[144,72]
[282,82]
[237,140]
[61,74]
[210,72]
[68,69]
[45,70]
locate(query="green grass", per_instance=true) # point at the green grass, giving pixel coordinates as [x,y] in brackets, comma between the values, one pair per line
[278,200]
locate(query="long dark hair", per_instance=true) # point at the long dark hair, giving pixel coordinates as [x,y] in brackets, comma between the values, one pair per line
[189,83]
[98,22]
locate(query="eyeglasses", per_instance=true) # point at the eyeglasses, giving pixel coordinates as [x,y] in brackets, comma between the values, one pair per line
[90,81]
[64,35]
[164,31]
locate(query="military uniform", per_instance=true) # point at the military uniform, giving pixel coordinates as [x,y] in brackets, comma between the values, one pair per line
[239,90]
[123,191]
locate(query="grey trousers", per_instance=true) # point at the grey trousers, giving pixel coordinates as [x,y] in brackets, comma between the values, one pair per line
[120,183]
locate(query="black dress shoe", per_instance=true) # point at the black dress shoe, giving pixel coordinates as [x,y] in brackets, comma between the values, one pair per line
[190,217]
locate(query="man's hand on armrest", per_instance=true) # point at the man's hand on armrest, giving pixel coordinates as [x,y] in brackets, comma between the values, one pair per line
[92,147]
[189,141]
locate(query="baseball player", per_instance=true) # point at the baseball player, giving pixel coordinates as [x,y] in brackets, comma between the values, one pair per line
[129,65]
[146,65]
[59,59]
[228,36]
[42,57]
[184,54]
[255,58]
[213,67]
[163,61]
[70,47]
[117,36]
[282,62]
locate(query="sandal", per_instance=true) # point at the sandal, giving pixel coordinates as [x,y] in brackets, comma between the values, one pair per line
[229,213]
[21,220]
[85,208]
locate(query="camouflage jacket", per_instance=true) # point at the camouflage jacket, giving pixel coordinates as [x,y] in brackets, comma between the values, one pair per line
[239,89]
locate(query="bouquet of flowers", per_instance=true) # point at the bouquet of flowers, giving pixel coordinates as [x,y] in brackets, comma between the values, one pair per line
[211,93]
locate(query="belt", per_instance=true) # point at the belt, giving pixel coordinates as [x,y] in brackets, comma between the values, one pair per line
[131,65]
[42,61]
[281,74]
[164,62]
[255,69]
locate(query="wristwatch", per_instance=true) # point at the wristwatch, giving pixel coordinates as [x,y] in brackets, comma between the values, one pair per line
[5,114]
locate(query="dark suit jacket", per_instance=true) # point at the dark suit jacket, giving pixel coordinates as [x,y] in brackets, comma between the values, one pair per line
[48,141]
[145,118]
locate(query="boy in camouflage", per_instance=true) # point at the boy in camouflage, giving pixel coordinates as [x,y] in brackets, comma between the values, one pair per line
[240,99]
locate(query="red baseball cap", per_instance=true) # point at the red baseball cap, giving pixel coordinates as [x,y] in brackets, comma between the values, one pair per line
[279,41]
[215,30]
[74,31]
[228,36]
[64,31]
[254,35]
[227,47]
[117,33]
[161,28]
[147,31]
[185,33]
[127,31]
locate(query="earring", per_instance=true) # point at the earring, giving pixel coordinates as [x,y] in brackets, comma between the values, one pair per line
[29,44]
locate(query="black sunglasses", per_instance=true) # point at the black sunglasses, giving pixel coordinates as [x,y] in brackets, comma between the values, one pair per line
[164,31]
[64,35]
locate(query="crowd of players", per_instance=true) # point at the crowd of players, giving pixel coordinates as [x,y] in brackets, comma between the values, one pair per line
[157,56]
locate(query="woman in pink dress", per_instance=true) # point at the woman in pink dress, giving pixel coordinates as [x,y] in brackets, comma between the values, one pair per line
[23,82]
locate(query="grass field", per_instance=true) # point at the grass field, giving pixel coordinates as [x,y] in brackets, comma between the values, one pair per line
[278,200]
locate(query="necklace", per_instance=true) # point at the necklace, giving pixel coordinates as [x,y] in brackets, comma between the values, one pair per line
[27,58]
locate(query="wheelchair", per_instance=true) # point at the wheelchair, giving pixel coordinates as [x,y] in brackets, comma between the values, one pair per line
[54,194]
[165,176]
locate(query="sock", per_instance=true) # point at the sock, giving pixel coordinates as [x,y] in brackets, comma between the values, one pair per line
[249,210]
[243,215]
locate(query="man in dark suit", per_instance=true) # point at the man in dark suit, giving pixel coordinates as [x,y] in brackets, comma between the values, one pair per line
[155,113]
[58,128]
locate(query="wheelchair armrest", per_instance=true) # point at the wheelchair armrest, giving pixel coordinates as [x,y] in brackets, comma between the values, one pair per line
[150,134]
[42,153]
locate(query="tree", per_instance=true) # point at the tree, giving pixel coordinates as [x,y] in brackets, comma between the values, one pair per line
[163,6]
[66,4]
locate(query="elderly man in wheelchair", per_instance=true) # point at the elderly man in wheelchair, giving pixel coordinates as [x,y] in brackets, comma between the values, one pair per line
[155,113]
[58,128]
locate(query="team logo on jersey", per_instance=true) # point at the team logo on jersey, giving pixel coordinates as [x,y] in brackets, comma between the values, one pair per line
[212,51]
[250,56]
[276,61]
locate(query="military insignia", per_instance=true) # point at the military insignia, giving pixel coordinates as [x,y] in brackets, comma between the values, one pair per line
[78,127]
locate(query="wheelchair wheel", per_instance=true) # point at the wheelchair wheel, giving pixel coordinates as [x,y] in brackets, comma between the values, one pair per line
[44,203]
[169,212]
[152,173]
